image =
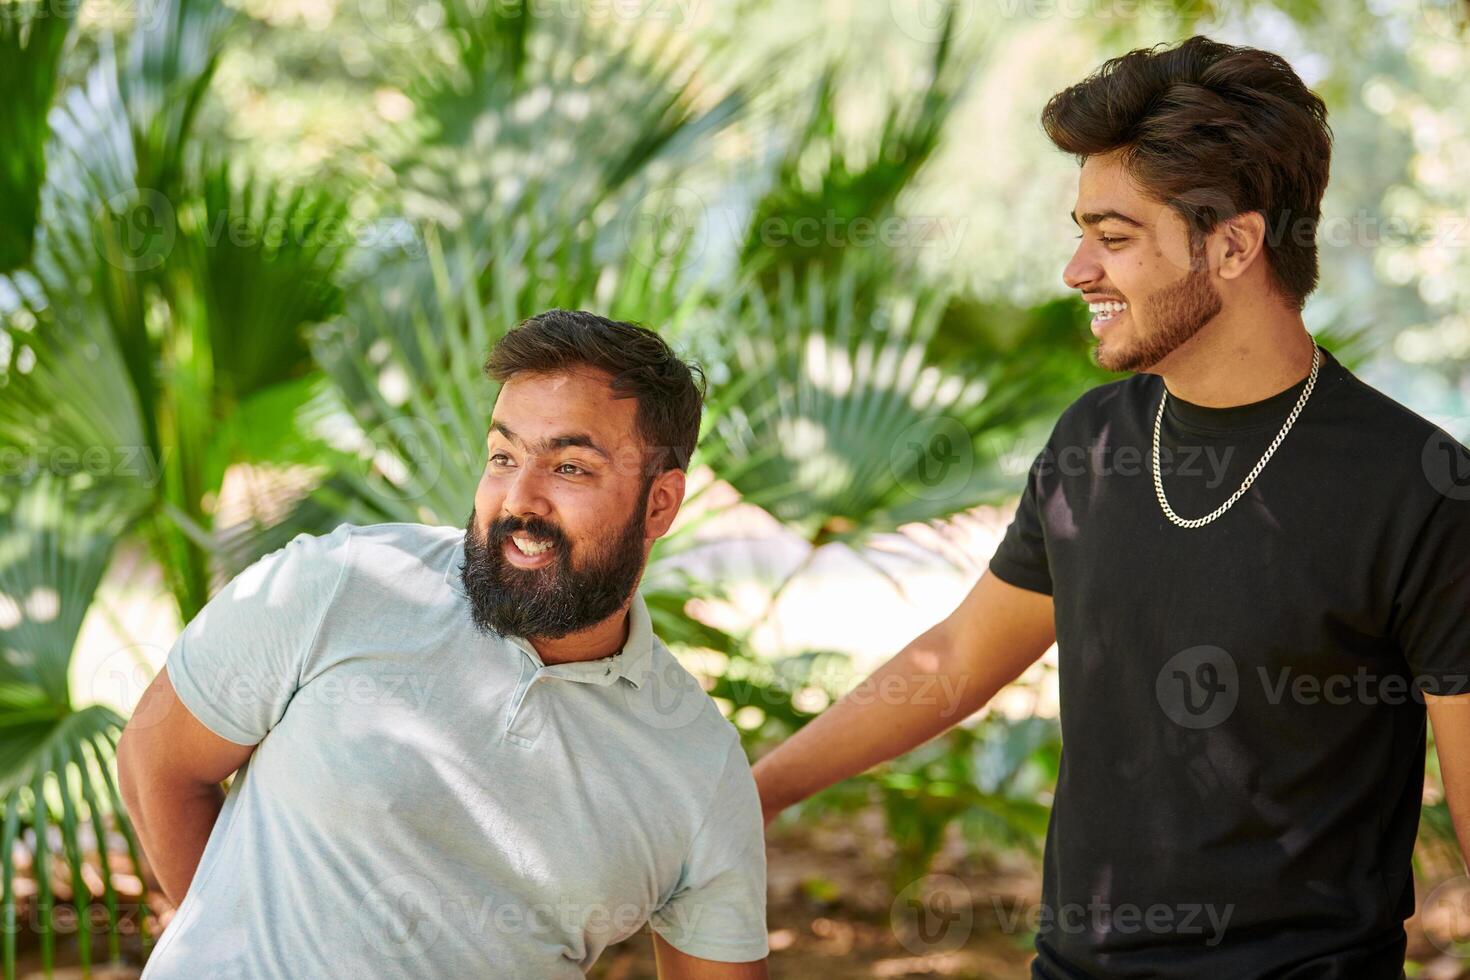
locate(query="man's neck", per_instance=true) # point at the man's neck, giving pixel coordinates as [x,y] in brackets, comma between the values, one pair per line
[1240,357]
[600,640]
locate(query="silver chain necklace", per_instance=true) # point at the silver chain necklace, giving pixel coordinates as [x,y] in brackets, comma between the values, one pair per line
[1250,477]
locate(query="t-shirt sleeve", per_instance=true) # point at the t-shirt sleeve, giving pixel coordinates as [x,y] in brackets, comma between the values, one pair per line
[237,664]
[1432,605]
[1021,558]
[717,911]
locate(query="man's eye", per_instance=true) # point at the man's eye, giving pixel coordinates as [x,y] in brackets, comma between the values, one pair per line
[571,469]
[1111,241]
[499,459]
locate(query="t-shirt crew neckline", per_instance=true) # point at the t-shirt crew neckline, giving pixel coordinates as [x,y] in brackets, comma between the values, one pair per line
[1269,412]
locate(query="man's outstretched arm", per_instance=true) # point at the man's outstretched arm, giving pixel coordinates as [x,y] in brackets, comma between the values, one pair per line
[170,768]
[938,680]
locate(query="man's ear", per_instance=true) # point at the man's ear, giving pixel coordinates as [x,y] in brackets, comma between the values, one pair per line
[665,496]
[1240,241]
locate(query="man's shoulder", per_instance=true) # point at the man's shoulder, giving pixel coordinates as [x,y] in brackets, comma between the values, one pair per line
[1111,395]
[1389,418]
[1090,410]
[673,701]
[1392,439]
[389,553]
[403,535]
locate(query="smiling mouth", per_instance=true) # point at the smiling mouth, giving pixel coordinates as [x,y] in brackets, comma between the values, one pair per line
[524,551]
[1103,312]
[531,547]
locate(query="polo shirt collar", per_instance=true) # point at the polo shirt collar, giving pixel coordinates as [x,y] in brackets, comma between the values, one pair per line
[632,663]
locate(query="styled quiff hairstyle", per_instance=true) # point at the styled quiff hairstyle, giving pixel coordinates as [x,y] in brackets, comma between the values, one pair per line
[670,393]
[1212,130]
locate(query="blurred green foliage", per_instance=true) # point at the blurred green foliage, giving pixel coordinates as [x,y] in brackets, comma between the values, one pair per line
[282,234]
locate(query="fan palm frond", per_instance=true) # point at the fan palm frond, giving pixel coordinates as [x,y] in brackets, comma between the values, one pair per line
[56,756]
[32,38]
[838,421]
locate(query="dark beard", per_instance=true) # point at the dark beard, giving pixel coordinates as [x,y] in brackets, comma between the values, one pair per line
[555,601]
[1177,312]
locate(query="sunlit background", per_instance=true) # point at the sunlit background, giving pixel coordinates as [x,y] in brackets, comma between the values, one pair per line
[252,255]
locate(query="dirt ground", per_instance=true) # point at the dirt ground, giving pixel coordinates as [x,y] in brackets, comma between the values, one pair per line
[831,917]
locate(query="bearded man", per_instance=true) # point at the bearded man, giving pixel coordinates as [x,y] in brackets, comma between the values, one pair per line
[463,753]
[1255,568]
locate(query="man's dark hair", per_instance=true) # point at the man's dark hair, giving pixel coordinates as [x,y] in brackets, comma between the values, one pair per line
[670,392]
[1212,130]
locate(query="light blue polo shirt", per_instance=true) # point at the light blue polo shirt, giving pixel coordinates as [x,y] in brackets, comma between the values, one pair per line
[429,801]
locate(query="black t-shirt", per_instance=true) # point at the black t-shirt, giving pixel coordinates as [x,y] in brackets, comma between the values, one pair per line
[1243,737]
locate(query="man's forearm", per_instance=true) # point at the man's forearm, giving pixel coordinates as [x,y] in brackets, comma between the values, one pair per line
[915,696]
[1449,718]
[173,826]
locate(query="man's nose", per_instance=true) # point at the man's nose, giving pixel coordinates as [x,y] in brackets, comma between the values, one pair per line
[1083,269]
[525,496]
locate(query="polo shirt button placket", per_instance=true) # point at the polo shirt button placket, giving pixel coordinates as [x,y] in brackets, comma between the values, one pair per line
[525,720]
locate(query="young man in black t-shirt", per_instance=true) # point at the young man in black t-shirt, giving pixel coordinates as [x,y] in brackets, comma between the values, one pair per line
[1255,567]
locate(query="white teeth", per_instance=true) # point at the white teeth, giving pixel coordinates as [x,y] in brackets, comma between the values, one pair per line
[530,548]
[1107,310]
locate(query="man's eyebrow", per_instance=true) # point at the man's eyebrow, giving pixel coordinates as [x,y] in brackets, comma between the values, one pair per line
[555,442]
[576,439]
[1093,217]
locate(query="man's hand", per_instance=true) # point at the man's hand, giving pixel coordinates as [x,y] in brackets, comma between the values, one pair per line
[674,965]
[170,767]
[935,682]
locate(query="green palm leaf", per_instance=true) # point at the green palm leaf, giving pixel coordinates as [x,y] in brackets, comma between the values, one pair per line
[32,39]
[821,181]
[56,755]
[166,293]
[578,114]
[265,257]
[839,423]
[170,60]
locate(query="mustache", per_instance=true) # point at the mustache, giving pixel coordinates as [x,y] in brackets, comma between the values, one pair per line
[503,527]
